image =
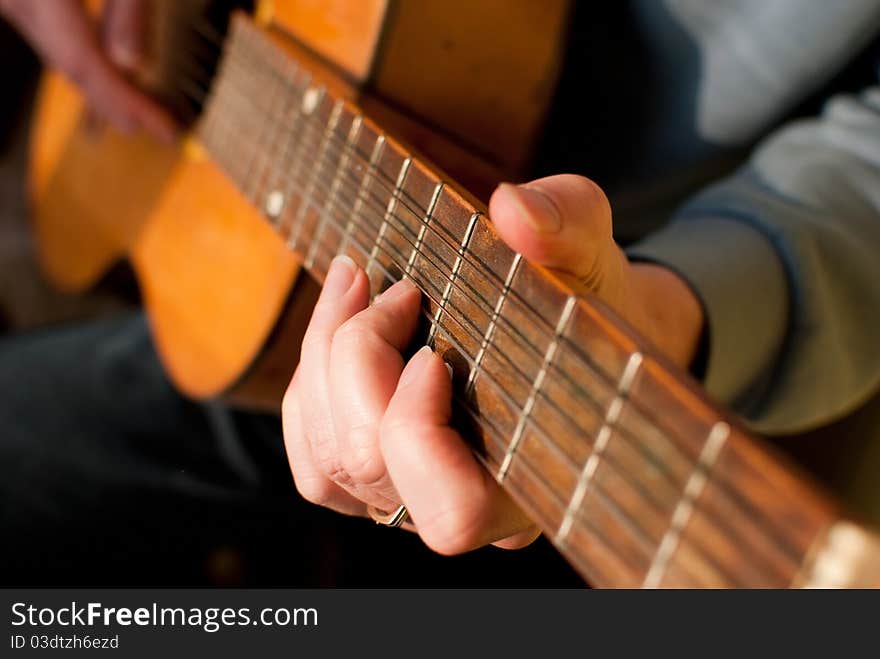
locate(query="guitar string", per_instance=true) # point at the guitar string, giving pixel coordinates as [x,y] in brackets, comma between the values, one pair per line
[643,452]
[639,446]
[389,276]
[453,244]
[351,201]
[265,113]
[333,218]
[497,436]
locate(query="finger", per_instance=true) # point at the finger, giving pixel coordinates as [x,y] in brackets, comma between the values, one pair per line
[561,222]
[345,292]
[454,503]
[62,34]
[365,365]
[124,106]
[312,484]
[125,26]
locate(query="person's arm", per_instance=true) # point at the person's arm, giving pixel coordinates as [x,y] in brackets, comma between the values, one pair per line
[785,258]
[64,37]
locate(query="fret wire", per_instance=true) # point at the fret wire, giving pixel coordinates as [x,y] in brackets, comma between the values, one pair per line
[236,163]
[602,439]
[459,257]
[626,381]
[514,404]
[699,476]
[405,194]
[257,82]
[255,79]
[341,164]
[497,436]
[400,196]
[531,471]
[378,149]
[655,424]
[217,99]
[423,227]
[416,250]
[540,320]
[293,240]
[486,339]
[389,213]
[263,167]
[627,521]
[639,446]
[278,189]
[652,459]
[617,511]
[287,97]
[561,326]
[298,163]
[230,100]
[613,507]
[249,82]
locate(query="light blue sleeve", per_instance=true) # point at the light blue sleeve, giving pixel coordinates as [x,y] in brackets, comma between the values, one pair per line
[785,257]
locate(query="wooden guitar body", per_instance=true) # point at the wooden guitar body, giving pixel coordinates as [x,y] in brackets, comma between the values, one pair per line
[215,278]
[310,145]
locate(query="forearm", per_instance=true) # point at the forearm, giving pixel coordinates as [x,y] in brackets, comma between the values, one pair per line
[783,256]
[667,310]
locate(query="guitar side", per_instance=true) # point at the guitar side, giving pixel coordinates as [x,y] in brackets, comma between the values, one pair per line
[216,281]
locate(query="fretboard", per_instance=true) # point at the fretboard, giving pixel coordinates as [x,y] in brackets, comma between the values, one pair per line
[628,469]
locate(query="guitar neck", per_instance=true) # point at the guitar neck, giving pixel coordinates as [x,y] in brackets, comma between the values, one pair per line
[629,470]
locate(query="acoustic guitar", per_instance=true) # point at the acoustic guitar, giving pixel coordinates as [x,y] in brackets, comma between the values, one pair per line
[307,123]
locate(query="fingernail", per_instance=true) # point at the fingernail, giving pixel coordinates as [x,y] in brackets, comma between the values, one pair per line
[448,368]
[536,208]
[399,289]
[416,366]
[340,276]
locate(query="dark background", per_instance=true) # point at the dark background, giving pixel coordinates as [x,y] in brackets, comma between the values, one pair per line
[328,550]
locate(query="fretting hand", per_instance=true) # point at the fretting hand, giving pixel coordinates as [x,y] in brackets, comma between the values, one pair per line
[363,428]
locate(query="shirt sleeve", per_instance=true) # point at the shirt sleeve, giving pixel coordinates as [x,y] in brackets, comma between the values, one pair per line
[785,258]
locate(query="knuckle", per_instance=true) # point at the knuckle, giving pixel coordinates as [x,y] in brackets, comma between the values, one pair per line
[352,341]
[314,490]
[453,530]
[332,468]
[353,334]
[364,464]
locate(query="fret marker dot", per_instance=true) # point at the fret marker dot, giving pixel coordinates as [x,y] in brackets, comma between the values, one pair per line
[274,203]
[310,100]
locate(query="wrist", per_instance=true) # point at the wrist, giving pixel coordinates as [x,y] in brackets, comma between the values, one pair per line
[667,311]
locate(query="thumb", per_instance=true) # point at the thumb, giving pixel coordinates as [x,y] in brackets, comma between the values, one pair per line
[564,223]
